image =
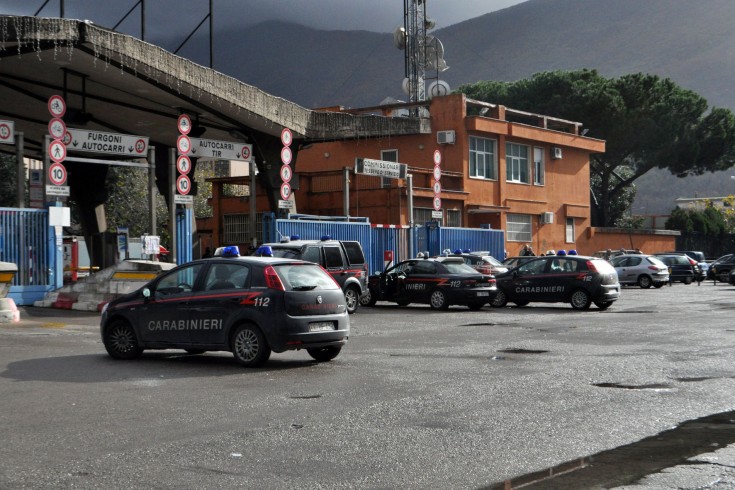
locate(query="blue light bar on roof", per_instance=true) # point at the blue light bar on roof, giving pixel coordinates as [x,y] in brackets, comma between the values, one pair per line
[264,251]
[231,251]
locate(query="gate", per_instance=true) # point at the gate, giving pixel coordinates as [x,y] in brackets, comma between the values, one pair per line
[27,241]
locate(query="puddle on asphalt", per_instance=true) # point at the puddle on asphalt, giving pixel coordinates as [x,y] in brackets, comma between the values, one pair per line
[522,351]
[625,465]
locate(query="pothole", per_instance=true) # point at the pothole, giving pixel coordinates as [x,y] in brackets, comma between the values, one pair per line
[522,351]
[652,386]
[625,465]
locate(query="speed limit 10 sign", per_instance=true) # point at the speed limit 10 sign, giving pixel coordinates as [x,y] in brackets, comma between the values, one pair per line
[183,185]
[57,174]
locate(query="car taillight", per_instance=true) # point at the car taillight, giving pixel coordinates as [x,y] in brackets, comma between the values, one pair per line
[654,268]
[692,261]
[272,280]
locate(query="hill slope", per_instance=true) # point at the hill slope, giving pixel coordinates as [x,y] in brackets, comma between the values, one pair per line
[689,42]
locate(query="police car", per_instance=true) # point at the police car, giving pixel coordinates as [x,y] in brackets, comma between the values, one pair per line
[251,306]
[440,282]
[343,259]
[574,279]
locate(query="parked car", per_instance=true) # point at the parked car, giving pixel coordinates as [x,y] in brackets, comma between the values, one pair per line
[440,282]
[699,258]
[682,268]
[574,279]
[251,306]
[720,269]
[343,259]
[643,270]
[482,262]
[607,255]
[512,262]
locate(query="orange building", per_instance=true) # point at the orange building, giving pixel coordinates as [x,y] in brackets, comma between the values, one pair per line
[524,173]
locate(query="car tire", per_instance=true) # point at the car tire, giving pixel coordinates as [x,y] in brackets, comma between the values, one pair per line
[195,352]
[368,299]
[645,281]
[352,298]
[121,342]
[688,280]
[580,299]
[476,305]
[249,345]
[438,300]
[658,285]
[500,300]
[603,305]
[324,354]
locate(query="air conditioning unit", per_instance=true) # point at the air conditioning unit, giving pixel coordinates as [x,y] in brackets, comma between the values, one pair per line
[445,137]
[547,218]
[556,153]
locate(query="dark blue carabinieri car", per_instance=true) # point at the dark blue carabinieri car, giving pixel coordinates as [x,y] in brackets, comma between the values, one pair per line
[250,306]
[574,279]
[440,282]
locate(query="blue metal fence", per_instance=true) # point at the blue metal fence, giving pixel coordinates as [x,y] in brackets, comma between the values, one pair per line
[27,241]
[184,235]
[377,239]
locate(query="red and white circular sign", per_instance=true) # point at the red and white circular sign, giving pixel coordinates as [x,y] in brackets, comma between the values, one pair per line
[183,185]
[57,174]
[5,133]
[437,204]
[56,128]
[286,137]
[437,172]
[245,152]
[140,146]
[285,191]
[56,106]
[184,124]
[286,155]
[183,164]
[67,138]
[286,173]
[437,157]
[183,144]
[57,151]
[437,187]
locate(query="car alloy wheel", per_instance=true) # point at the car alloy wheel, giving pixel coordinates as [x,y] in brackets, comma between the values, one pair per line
[121,342]
[249,346]
[500,300]
[352,298]
[438,300]
[580,299]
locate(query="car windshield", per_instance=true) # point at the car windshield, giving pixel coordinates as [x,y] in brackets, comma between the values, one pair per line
[492,261]
[304,277]
[459,268]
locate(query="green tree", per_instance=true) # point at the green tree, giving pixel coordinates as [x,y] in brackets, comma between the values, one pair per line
[8,179]
[647,122]
[680,220]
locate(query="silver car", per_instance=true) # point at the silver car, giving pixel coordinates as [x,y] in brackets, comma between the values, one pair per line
[643,270]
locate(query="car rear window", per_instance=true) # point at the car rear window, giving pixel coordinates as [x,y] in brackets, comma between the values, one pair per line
[354,251]
[655,261]
[459,268]
[304,277]
[603,266]
[286,253]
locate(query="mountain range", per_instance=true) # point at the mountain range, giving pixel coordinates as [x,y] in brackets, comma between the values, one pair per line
[693,43]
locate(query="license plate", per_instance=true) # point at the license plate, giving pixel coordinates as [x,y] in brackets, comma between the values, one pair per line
[321,326]
[483,293]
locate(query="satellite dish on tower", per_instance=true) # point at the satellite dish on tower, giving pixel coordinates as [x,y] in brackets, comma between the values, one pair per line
[435,55]
[399,38]
[438,88]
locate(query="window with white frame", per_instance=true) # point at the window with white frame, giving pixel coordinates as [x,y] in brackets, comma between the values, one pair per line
[388,156]
[539,170]
[518,227]
[570,230]
[516,162]
[482,158]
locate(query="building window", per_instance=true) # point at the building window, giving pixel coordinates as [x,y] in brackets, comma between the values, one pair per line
[388,156]
[423,215]
[454,217]
[235,228]
[516,161]
[518,227]
[570,230]
[539,167]
[482,158]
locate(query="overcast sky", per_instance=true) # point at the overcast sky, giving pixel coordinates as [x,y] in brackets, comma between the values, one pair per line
[185,15]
